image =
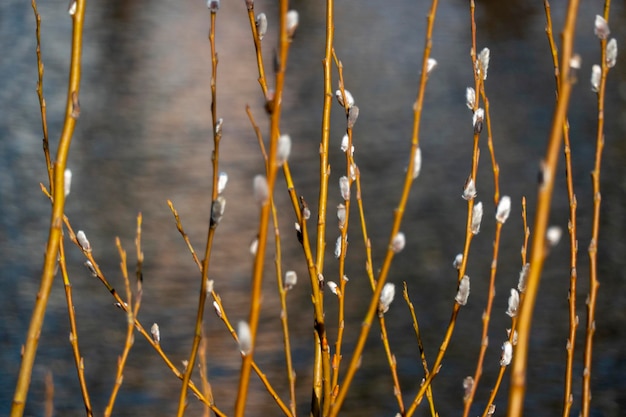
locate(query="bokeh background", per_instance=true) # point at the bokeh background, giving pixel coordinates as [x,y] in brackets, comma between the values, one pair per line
[144,136]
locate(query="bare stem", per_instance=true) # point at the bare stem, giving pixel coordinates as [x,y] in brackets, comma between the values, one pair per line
[78,359]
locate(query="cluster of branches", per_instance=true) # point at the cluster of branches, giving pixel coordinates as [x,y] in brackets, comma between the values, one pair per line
[328,389]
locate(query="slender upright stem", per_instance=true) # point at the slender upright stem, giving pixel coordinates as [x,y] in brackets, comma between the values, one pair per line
[182,400]
[544,199]
[72,111]
[590,327]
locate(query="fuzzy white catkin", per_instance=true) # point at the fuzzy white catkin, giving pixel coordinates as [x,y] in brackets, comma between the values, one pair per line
[245,337]
[477,119]
[521,284]
[218,126]
[464,290]
[553,235]
[417,163]
[217,209]
[504,209]
[349,98]
[386,297]
[222,180]
[353,115]
[261,189]
[341,215]
[67,185]
[470,98]
[284,149]
[477,217]
[430,65]
[469,191]
[344,187]
[344,142]
[213,5]
[291,22]
[332,286]
[507,354]
[601,28]
[91,269]
[218,310]
[611,53]
[596,74]
[261,25]
[291,279]
[483,58]
[83,241]
[513,304]
[156,333]
[254,246]
[398,242]
[458,260]
[338,248]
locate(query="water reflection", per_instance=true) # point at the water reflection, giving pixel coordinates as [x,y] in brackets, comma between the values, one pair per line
[143,138]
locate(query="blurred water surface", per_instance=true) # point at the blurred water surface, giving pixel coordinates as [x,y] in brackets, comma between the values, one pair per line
[144,136]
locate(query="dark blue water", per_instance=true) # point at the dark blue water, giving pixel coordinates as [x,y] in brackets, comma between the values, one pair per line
[144,137]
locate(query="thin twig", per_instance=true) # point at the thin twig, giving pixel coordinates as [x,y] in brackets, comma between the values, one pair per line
[71,314]
[131,313]
[593,245]
[49,401]
[217,134]
[147,336]
[420,345]
[259,52]
[573,321]
[42,100]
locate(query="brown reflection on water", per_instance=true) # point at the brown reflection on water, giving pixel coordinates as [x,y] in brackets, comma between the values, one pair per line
[144,137]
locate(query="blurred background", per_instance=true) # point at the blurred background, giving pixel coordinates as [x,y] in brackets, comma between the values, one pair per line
[144,136]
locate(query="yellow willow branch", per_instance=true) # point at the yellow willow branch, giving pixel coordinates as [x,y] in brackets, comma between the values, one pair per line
[72,111]
[544,199]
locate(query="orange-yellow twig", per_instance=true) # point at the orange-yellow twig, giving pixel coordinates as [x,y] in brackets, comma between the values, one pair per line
[573,321]
[518,371]
[398,216]
[72,111]
[595,229]
[420,345]
[78,360]
[217,134]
